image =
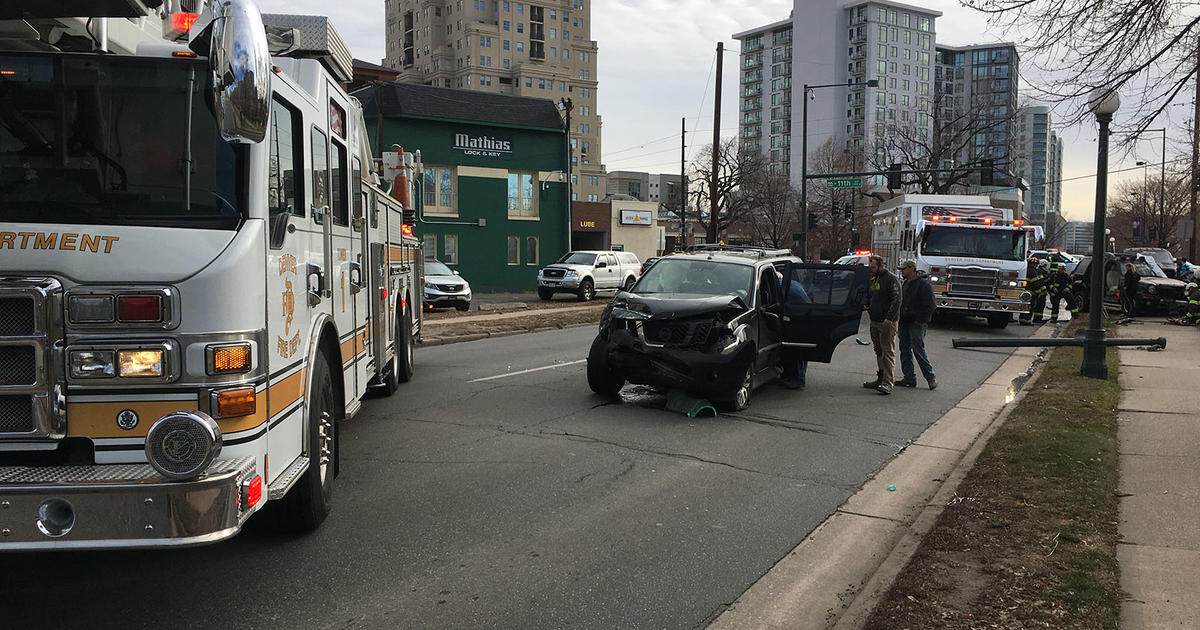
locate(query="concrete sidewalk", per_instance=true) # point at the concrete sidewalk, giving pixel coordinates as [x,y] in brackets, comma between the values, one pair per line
[1159,444]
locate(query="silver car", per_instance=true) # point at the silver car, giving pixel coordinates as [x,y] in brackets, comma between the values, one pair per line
[444,287]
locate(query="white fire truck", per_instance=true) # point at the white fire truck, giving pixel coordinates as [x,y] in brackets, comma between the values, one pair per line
[975,254]
[199,273]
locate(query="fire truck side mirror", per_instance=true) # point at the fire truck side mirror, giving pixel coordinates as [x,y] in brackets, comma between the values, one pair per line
[241,71]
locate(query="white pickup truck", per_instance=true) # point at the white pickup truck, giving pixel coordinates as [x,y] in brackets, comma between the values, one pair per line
[585,272]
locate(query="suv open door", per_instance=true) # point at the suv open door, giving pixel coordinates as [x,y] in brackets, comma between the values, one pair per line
[822,305]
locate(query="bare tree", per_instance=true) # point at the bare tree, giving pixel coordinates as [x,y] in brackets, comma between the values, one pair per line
[1144,48]
[734,169]
[1135,200]
[950,145]
[834,212]
[773,202]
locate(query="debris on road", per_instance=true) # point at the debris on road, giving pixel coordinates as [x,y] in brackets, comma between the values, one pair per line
[690,406]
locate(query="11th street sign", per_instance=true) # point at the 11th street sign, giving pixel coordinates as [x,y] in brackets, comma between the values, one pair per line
[847,182]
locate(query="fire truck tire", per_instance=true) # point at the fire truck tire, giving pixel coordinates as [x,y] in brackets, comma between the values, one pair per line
[307,504]
[998,320]
[404,347]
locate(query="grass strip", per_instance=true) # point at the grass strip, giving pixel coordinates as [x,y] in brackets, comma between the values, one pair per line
[1029,541]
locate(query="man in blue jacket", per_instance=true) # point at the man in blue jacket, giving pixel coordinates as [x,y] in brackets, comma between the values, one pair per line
[884,309]
[916,308]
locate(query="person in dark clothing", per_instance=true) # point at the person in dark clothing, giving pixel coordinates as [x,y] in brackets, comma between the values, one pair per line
[1033,282]
[1059,286]
[883,309]
[1129,290]
[916,309]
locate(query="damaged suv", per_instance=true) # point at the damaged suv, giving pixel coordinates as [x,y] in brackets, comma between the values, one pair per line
[718,323]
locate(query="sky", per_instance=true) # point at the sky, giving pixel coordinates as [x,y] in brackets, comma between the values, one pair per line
[656,62]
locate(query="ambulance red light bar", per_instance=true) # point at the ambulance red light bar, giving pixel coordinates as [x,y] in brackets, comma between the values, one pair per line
[180,24]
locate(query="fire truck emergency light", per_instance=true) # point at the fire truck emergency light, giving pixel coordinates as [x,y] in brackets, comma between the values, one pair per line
[406,229]
[179,24]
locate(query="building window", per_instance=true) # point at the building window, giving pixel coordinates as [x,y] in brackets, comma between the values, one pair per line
[439,190]
[531,250]
[450,243]
[514,250]
[429,242]
[521,202]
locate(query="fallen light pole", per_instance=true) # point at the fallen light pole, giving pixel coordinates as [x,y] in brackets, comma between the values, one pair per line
[1161,342]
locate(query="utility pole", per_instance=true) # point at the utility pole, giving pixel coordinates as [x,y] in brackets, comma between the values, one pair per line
[683,183]
[714,229]
[1192,249]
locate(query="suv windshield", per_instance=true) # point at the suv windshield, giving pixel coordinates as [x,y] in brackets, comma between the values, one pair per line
[437,268]
[974,242]
[113,140]
[1162,256]
[703,277]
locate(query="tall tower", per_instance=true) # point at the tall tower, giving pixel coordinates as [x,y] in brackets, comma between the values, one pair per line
[543,51]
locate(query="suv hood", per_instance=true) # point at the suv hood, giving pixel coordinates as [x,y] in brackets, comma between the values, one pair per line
[674,305]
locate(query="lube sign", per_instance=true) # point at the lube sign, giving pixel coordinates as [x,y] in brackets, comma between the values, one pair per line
[480,145]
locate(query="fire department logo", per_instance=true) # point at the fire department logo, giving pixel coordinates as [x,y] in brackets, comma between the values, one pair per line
[287,262]
[127,419]
[289,306]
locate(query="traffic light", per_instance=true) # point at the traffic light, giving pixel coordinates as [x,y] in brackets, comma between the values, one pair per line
[854,239]
[812,220]
[849,212]
[987,172]
[893,178]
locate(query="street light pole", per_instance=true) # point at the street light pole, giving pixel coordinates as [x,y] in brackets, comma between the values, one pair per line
[804,157]
[1162,182]
[1103,103]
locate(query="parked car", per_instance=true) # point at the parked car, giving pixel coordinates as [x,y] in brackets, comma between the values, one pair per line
[445,287]
[1164,258]
[1055,256]
[646,264]
[586,272]
[716,324]
[1081,281]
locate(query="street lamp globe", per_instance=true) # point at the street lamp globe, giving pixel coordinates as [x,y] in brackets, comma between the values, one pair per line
[1104,101]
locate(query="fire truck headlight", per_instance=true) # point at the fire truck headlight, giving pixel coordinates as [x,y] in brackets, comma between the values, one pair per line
[1013,283]
[135,363]
[92,364]
[933,279]
[182,444]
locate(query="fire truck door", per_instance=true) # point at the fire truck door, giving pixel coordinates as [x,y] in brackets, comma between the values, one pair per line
[359,280]
[343,245]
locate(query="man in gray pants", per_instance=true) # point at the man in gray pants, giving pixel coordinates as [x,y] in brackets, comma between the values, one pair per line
[883,308]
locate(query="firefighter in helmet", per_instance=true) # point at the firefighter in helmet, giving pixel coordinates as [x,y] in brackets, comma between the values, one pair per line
[1192,316]
[1059,288]
[1031,275]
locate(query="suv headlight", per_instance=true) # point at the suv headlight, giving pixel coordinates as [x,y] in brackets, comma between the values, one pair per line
[1151,289]
[571,273]
[730,341]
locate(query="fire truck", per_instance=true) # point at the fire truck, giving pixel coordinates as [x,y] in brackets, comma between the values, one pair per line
[975,254]
[200,273]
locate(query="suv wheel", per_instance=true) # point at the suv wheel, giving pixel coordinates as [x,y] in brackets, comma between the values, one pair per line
[586,290]
[741,396]
[601,377]
[629,283]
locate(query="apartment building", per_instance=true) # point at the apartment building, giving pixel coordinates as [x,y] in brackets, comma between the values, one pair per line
[540,50]
[653,187]
[1039,161]
[976,107]
[833,45]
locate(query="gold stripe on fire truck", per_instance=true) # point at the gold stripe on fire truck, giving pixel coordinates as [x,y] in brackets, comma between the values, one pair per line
[99,419]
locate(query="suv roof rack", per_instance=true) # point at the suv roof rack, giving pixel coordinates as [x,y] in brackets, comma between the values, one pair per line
[754,250]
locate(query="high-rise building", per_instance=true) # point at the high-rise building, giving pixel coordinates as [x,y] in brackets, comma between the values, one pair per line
[976,96]
[1039,161]
[542,50]
[1077,237]
[834,46]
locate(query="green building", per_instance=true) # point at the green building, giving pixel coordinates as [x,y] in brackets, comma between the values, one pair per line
[492,200]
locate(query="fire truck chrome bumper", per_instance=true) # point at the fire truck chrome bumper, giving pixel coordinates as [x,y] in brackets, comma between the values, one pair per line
[121,506]
[982,305]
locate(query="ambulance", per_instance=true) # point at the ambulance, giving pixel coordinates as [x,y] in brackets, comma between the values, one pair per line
[201,275]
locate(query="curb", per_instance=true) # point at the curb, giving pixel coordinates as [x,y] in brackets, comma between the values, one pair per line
[837,575]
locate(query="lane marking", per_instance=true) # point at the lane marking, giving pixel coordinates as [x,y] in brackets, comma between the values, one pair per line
[536,369]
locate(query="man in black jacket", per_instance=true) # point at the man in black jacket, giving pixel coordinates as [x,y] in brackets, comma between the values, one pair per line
[916,308]
[884,309]
[1129,289]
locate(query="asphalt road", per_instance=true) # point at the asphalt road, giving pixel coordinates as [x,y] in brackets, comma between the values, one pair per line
[524,501]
